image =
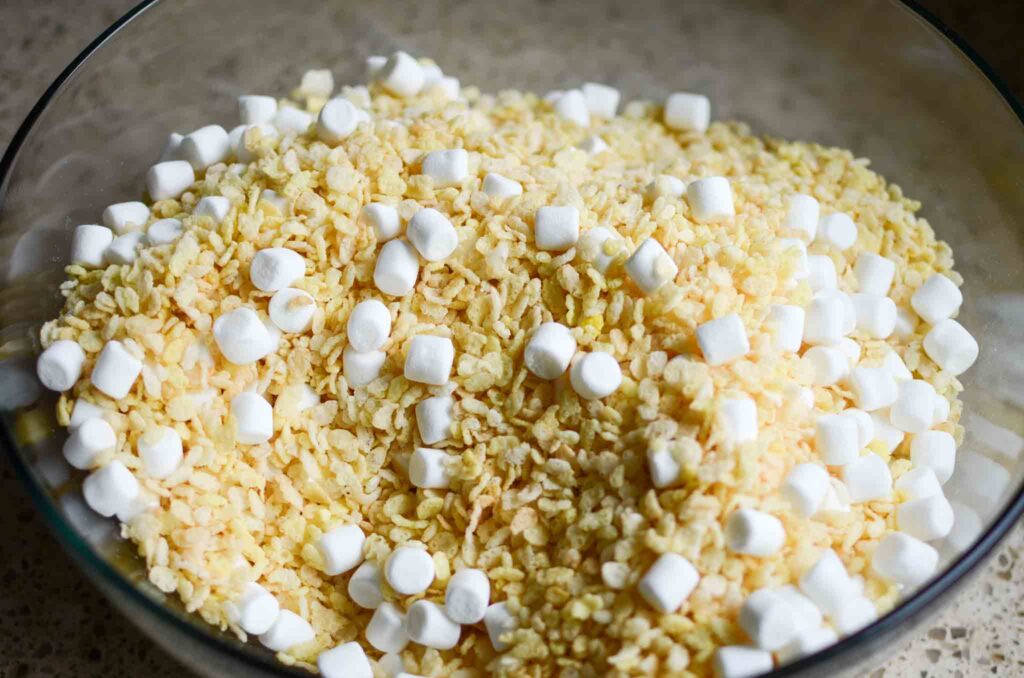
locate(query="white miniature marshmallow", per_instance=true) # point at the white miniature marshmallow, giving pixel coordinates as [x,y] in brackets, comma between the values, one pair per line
[60,365]
[467,595]
[805,613]
[951,347]
[906,322]
[937,299]
[83,411]
[386,630]
[593,145]
[434,419]
[429,625]
[89,243]
[650,266]
[723,339]
[897,368]
[668,582]
[241,336]
[254,418]
[738,417]
[754,533]
[292,310]
[802,217]
[601,100]
[115,370]
[801,396]
[918,483]
[827,583]
[665,185]
[685,111]
[214,206]
[914,408]
[556,228]
[429,360]
[428,468]
[940,410]
[874,273]
[397,267]
[904,560]
[124,248]
[255,611]
[828,364]
[499,622]
[821,273]
[873,388]
[164,232]
[123,217]
[935,450]
[374,64]
[789,326]
[595,375]
[369,326]
[767,619]
[802,271]
[160,451]
[341,548]
[432,234]
[498,186]
[169,179]
[807,643]
[337,120]
[318,82]
[888,435]
[865,425]
[170,149]
[876,315]
[364,586]
[857,613]
[837,230]
[597,239]
[572,106]
[837,498]
[825,320]
[110,489]
[979,481]
[549,351]
[361,368]
[383,219]
[837,439]
[867,478]
[401,75]
[206,146]
[710,199]
[925,518]
[850,349]
[740,661]
[288,630]
[409,570]
[89,441]
[254,109]
[663,467]
[448,167]
[291,120]
[966,527]
[805,488]
[275,268]
[347,660]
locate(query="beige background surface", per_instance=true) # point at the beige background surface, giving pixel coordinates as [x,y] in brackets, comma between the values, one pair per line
[52,622]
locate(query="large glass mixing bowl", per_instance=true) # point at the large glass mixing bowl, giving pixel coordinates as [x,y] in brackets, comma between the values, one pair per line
[876,76]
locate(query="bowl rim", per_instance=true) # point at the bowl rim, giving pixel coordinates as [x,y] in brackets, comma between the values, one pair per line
[199,631]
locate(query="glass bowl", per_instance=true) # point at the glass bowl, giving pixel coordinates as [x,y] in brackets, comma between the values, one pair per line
[878,77]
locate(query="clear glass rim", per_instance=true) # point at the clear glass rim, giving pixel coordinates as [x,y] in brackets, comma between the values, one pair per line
[70,539]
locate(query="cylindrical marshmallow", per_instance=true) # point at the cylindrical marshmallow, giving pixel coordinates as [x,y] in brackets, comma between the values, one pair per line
[337,120]
[361,368]
[115,370]
[88,245]
[837,230]
[789,326]
[857,613]
[556,228]
[347,660]
[873,388]
[937,299]
[275,268]
[754,533]
[429,359]
[383,219]
[806,615]
[110,489]
[599,246]
[663,467]
[874,273]
[966,527]
[828,364]
[602,100]
[886,434]
[369,326]
[876,315]
[827,583]
[87,442]
[396,269]
[802,217]
[821,273]
[738,419]
[499,622]
[82,412]
[935,450]
[914,408]
[897,368]
[206,146]
[467,596]
[572,106]
[254,109]
[291,120]
[664,185]
[723,339]
[429,625]
[386,630]
[123,250]
[60,365]
[710,199]
[767,619]
[164,232]
[169,179]
[341,548]
[595,375]
[685,111]
[409,570]
[428,468]
[292,310]
[255,611]
[926,518]
[549,351]
[241,336]
[867,478]
[805,487]
[254,418]
[904,560]
[865,425]
[668,582]
[918,483]
[825,320]
[740,661]
[799,247]
[446,168]
[432,234]
[160,450]
[650,266]
[123,217]
[951,347]
[288,630]
[837,439]
[434,419]
[497,186]
[401,75]
[807,643]
[364,586]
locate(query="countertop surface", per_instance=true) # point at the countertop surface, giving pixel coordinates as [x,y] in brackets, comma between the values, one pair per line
[53,623]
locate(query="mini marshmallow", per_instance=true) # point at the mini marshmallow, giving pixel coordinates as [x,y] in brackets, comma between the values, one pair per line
[979,481]
[876,315]
[800,396]
[115,370]
[663,467]
[498,186]
[401,75]
[254,418]
[837,230]
[466,596]
[429,625]
[873,388]
[275,268]
[685,111]
[665,185]
[369,326]
[904,560]
[374,64]
[802,217]
[785,244]
[593,145]
[857,613]
[827,583]
[951,347]
[288,630]
[650,266]
[914,408]
[255,611]
[906,322]
[347,660]
[361,368]
[925,518]
[918,483]
[549,351]
[604,244]
[429,360]
[386,630]
[789,326]
[837,439]
[805,488]
[292,310]
[837,498]
[887,435]
[723,339]
[668,582]
[807,643]
[409,570]
[867,478]
[434,419]
[124,248]
[204,147]
[865,425]
[601,100]
[110,489]
[821,273]
[364,586]
[341,548]
[828,364]
[123,217]
[60,365]
[89,441]
[446,168]
[169,179]
[214,206]
[940,410]
[710,199]
[754,533]
[170,150]
[850,349]
[556,228]
[255,109]
[432,234]
[825,320]
[874,273]
[164,232]
[767,619]
[88,244]
[897,368]
[83,411]
[291,120]
[935,450]
[739,661]
[572,106]
[595,375]
[498,622]
[383,219]
[160,451]
[966,527]
[806,615]
[937,299]
[397,268]
[337,120]
[241,336]
[428,468]
[738,417]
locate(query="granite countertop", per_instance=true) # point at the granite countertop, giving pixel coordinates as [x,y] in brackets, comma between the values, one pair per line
[53,623]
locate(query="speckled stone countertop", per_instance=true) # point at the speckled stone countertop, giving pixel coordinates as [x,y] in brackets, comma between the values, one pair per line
[53,623]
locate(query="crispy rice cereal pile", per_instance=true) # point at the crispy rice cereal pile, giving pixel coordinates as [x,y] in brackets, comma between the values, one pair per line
[549,486]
